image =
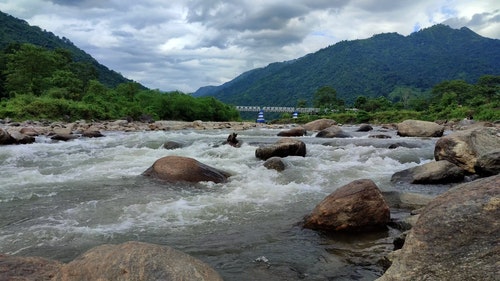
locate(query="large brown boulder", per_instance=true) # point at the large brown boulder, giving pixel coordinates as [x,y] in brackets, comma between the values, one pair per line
[282,148]
[136,261]
[431,173]
[333,132]
[456,237]
[184,169]
[320,124]
[417,128]
[293,132]
[357,206]
[27,268]
[463,148]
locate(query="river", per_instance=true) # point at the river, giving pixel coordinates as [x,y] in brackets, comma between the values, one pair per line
[59,199]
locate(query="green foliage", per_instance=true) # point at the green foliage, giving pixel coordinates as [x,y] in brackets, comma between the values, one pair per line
[15,31]
[326,97]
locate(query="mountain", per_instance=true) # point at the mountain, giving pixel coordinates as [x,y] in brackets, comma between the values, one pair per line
[14,30]
[370,67]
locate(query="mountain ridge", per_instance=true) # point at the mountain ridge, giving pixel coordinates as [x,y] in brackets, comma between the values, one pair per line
[369,67]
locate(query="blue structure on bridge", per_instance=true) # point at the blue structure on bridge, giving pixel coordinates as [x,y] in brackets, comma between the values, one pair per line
[260,117]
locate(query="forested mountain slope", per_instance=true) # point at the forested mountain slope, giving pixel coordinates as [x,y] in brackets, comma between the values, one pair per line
[370,67]
[14,30]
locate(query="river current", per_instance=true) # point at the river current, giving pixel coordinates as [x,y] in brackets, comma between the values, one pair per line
[59,199]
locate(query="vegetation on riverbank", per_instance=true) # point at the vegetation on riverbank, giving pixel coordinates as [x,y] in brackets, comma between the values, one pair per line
[37,83]
[448,100]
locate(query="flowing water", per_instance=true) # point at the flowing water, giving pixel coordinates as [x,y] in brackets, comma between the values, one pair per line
[59,199]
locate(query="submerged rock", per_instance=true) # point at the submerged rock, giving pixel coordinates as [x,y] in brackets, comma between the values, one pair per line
[455,237]
[275,163]
[184,169]
[357,206]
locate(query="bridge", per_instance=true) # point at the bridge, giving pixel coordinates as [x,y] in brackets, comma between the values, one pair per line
[277,109]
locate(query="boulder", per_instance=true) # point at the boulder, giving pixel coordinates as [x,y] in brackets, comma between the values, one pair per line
[232,140]
[463,148]
[184,169]
[136,261]
[293,132]
[64,137]
[357,206]
[5,137]
[320,124]
[170,145]
[455,237]
[333,132]
[282,148]
[406,200]
[92,134]
[437,172]
[20,138]
[275,163]
[364,128]
[29,132]
[488,164]
[27,268]
[417,128]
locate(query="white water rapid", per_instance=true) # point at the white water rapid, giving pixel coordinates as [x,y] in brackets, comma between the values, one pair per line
[58,199]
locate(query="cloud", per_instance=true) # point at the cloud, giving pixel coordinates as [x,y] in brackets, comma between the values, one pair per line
[187,44]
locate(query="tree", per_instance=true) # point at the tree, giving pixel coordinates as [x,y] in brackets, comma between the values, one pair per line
[326,97]
[27,69]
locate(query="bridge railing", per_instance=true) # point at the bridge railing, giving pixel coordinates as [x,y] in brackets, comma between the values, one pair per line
[277,109]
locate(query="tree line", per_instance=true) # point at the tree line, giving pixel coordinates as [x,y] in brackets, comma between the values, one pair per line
[448,100]
[38,83]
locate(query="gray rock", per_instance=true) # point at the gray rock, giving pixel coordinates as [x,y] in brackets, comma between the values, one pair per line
[438,172]
[275,163]
[320,124]
[333,132]
[488,164]
[455,237]
[463,148]
[417,128]
[293,132]
[282,148]
[5,137]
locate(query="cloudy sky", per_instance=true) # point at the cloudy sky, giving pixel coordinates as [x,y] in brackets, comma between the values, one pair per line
[185,44]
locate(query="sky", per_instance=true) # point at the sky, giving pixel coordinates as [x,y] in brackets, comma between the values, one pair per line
[186,44]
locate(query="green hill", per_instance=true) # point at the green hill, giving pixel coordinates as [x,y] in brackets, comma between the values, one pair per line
[14,30]
[369,67]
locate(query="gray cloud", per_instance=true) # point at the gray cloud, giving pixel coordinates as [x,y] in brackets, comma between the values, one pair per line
[183,45]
